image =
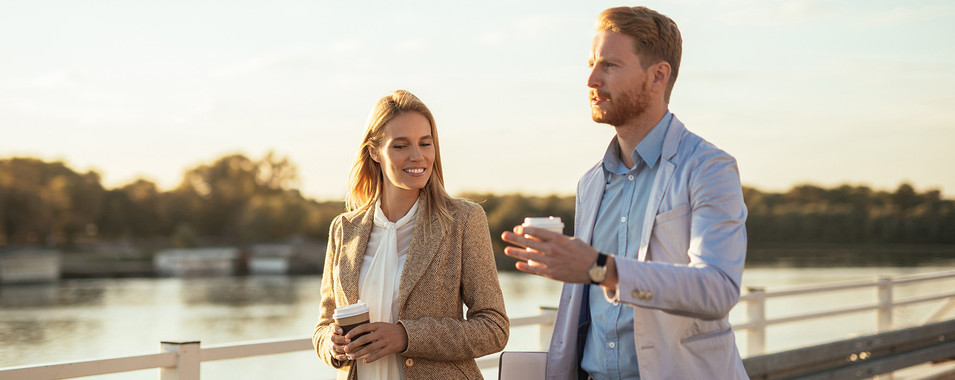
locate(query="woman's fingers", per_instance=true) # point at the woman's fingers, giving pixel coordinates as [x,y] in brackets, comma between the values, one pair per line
[338,351]
[338,342]
[381,339]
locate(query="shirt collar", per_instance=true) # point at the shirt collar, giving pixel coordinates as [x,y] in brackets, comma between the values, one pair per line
[648,151]
[383,222]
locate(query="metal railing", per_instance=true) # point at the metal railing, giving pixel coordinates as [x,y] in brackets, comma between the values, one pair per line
[181,360]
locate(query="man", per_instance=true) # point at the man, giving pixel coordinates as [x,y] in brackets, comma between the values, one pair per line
[660,237]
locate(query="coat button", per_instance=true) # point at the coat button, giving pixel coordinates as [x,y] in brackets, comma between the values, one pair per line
[409,362]
[635,294]
[649,296]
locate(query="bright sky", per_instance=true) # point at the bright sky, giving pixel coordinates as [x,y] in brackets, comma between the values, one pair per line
[827,92]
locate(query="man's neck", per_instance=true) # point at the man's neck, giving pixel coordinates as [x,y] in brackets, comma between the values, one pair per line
[630,135]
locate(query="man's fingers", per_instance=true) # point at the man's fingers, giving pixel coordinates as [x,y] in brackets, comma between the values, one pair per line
[522,240]
[513,238]
[525,254]
[532,267]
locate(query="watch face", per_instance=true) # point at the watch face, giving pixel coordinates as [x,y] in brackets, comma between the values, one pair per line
[597,274]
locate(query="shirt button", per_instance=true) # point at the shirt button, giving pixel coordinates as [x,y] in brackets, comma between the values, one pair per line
[612,345]
[623,219]
[615,303]
[630,177]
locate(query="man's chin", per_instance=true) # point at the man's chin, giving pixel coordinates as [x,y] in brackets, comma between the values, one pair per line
[600,118]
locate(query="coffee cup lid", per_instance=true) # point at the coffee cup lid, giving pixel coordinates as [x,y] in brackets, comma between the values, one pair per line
[544,222]
[350,310]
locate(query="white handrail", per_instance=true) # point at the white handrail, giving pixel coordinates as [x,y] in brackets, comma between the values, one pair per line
[89,367]
[755,301]
[180,360]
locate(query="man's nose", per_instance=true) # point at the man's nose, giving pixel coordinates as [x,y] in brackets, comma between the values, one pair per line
[594,80]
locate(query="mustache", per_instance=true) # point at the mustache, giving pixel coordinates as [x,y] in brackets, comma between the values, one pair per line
[599,95]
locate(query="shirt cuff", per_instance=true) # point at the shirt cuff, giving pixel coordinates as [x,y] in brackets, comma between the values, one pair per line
[612,296]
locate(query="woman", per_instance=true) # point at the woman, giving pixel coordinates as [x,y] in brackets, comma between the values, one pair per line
[414,255]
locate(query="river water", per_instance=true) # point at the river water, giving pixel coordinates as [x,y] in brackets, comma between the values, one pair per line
[91,319]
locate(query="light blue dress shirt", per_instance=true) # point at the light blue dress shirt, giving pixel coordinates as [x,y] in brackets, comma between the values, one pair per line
[610,352]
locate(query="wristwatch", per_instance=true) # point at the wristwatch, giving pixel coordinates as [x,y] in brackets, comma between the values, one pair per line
[598,271]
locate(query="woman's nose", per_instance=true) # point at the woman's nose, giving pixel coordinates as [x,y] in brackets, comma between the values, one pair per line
[415,153]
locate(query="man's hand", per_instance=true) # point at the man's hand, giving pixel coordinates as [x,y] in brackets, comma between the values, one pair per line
[550,254]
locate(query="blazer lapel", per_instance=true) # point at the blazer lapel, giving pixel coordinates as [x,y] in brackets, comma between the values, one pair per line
[355,235]
[421,251]
[588,202]
[660,184]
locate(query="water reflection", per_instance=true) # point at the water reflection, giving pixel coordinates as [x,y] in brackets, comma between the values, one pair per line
[39,331]
[240,291]
[45,295]
[849,255]
[25,339]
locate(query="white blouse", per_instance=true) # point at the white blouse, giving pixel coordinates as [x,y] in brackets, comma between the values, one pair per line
[389,366]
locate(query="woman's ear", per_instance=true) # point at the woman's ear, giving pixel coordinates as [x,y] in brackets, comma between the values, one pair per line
[373,153]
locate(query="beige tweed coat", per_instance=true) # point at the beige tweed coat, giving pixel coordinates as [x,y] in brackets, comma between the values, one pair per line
[441,273]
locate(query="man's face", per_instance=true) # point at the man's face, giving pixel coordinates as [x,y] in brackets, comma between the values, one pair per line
[619,86]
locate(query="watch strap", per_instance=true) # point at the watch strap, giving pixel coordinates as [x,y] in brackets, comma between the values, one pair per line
[602,259]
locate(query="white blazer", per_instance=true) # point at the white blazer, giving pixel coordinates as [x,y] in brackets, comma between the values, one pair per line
[687,276]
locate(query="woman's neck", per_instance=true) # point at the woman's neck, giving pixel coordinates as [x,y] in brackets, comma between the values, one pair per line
[395,202]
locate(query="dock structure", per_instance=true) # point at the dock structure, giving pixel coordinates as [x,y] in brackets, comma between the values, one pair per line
[196,262]
[920,352]
[863,357]
[29,265]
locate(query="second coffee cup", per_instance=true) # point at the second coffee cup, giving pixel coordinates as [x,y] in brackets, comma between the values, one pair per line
[552,223]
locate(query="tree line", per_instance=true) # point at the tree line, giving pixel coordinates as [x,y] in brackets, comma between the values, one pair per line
[234,200]
[237,200]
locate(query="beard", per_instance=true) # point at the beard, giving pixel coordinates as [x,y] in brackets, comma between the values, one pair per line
[622,108]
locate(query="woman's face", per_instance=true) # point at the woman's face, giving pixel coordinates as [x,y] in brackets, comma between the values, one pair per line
[406,153]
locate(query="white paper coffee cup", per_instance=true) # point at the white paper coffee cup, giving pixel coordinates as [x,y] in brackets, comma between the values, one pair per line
[551,223]
[351,316]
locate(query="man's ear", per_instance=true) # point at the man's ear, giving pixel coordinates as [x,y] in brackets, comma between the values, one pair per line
[661,74]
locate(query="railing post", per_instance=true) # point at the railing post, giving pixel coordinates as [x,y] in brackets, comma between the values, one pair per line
[546,328]
[187,362]
[756,312]
[884,319]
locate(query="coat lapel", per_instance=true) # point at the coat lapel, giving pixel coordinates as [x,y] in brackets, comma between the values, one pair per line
[588,202]
[660,183]
[421,251]
[356,231]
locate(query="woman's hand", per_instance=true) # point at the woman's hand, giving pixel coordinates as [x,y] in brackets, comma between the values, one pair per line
[379,339]
[337,342]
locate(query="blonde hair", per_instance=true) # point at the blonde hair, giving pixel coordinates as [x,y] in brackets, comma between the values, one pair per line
[656,37]
[366,178]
